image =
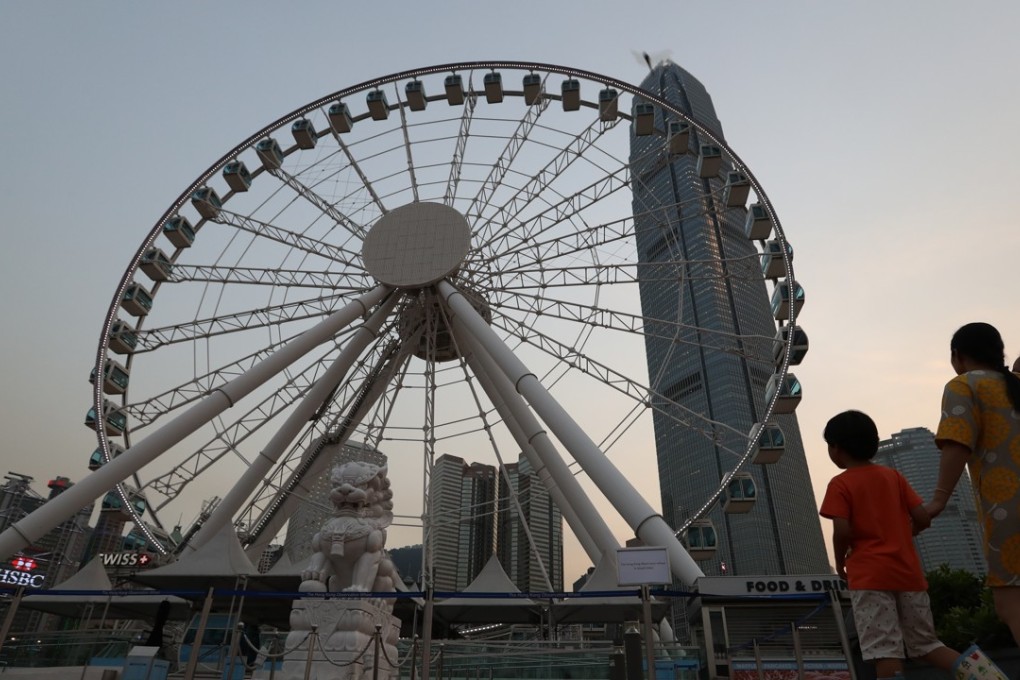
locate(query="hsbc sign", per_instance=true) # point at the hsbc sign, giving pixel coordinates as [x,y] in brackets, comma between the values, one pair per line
[15,577]
[125,558]
[21,573]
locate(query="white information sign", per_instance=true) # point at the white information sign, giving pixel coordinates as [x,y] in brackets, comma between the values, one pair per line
[643,566]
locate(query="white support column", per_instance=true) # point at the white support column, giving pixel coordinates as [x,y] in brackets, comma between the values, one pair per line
[38,523]
[649,525]
[291,428]
[581,515]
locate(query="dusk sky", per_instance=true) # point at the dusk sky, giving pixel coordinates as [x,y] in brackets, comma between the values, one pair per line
[885,134]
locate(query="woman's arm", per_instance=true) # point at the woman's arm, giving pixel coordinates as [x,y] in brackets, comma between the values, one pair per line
[954,458]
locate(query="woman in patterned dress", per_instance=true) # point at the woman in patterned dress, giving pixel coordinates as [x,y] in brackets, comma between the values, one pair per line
[980,428]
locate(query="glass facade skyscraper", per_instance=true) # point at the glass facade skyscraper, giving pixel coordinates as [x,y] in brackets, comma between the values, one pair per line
[708,340]
[478,511]
[529,557]
[954,538]
[463,505]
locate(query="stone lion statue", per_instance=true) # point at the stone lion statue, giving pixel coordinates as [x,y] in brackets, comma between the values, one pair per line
[348,549]
[348,556]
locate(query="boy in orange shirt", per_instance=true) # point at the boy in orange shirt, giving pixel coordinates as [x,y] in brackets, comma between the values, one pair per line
[874,513]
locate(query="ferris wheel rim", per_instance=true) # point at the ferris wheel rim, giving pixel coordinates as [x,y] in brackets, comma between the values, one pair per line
[133,267]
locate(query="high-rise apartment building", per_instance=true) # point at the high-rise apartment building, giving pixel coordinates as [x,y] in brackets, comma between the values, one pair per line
[720,302]
[954,538]
[462,531]
[529,540]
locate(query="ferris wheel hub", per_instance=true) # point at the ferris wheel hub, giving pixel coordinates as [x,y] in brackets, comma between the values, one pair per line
[416,245]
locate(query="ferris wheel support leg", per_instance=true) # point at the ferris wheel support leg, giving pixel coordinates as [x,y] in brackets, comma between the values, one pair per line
[649,525]
[291,428]
[581,515]
[37,524]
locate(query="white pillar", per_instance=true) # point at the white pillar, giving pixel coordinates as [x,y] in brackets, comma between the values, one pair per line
[40,522]
[292,427]
[308,471]
[649,525]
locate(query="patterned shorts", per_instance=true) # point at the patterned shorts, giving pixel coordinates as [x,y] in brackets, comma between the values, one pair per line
[889,622]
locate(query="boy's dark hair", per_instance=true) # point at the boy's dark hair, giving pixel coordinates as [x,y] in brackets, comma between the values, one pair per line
[853,432]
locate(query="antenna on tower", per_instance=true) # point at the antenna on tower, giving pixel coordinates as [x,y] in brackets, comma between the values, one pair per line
[651,59]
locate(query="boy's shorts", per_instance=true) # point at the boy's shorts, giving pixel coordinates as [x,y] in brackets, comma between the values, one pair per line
[889,622]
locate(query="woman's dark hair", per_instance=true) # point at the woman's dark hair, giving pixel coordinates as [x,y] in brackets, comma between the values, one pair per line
[854,432]
[982,343]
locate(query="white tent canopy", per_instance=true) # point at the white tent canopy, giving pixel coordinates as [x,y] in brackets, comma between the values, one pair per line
[491,579]
[132,604]
[219,563]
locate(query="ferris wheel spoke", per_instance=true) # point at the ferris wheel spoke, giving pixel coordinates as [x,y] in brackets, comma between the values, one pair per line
[627,386]
[289,238]
[273,276]
[520,275]
[567,245]
[509,212]
[457,160]
[615,320]
[147,411]
[596,235]
[413,180]
[504,161]
[580,275]
[356,167]
[352,227]
[558,213]
[150,339]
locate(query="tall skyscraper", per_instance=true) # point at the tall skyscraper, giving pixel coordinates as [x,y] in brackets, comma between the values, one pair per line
[955,536]
[463,506]
[530,534]
[720,298]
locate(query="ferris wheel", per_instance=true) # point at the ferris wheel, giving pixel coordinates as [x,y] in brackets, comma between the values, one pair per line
[446,260]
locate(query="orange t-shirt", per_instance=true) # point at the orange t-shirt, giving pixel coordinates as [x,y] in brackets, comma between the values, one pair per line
[876,500]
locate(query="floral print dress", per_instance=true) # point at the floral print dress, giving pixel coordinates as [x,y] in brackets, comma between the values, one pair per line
[977,413]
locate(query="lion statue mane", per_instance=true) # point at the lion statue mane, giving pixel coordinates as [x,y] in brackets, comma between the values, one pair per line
[349,550]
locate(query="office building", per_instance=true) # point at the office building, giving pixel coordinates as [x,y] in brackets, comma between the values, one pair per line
[954,538]
[529,540]
[462,511]
[700,353]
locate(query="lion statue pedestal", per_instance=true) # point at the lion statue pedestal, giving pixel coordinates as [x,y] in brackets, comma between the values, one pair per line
[349,558]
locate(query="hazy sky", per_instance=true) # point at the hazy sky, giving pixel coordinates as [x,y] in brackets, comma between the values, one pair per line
[885,134]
